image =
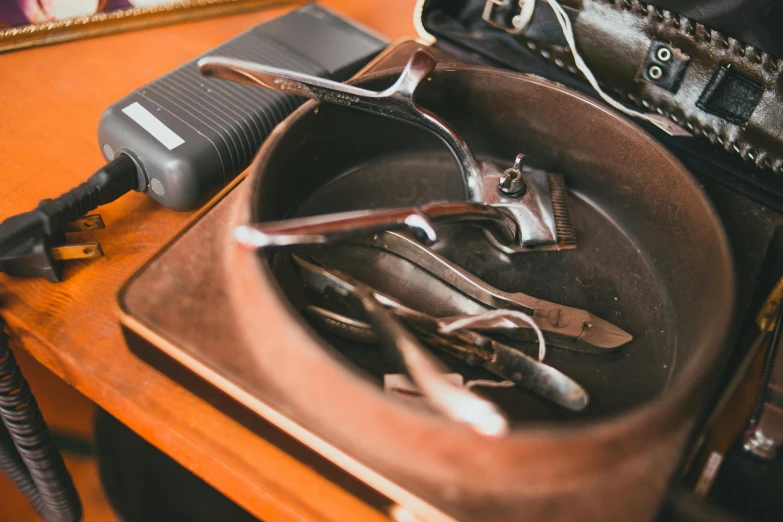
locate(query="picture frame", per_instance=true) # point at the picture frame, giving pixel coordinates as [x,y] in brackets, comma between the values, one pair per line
[45,25]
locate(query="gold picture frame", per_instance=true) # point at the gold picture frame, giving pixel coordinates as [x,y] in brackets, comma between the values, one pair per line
[101,23]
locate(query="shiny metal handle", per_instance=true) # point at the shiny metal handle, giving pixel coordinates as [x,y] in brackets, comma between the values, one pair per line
[396,102]
[468,345]
[425,370]
[428,373]
[453,274]
[334,227]
[505,361]
[347,225]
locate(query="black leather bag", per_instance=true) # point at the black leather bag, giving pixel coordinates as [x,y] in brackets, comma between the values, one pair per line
[718,75]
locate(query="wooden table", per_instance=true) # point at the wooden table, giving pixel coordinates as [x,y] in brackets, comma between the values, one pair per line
[51,100]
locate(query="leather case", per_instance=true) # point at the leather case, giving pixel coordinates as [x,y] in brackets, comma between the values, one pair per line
[709,66]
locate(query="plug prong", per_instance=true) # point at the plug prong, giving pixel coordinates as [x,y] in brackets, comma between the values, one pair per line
[77,251]
[91,222]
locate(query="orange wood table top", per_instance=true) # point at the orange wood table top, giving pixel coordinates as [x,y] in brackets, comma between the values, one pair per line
[51,99]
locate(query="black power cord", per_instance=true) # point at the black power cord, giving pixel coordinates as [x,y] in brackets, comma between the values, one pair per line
[28,244]
[27,454]
[28,240]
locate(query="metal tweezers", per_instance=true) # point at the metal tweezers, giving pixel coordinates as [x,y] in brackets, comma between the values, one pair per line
[467,344]
[424,369]
[563,326]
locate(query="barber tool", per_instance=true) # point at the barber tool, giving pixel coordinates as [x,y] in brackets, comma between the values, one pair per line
[462,342]
[739,403]
[183,137]
[764,436]
[531,203]
[563,326]
[426,371]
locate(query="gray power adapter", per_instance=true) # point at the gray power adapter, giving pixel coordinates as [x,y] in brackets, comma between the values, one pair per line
[189,135]
[183,137]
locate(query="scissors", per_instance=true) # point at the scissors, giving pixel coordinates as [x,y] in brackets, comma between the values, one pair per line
[562,326]
[465,343]
[423,368]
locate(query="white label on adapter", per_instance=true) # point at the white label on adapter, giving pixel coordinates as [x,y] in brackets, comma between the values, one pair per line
[153,125]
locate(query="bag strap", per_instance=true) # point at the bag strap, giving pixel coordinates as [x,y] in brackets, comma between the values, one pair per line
[713,85]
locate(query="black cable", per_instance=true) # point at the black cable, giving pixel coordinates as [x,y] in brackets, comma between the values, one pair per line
[27,454]
[12,465]
[113,180]
[26,239]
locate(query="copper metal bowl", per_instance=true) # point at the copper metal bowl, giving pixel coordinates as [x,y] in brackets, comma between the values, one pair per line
[643,218]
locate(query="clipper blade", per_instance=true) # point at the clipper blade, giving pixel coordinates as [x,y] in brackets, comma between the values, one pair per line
[564,227]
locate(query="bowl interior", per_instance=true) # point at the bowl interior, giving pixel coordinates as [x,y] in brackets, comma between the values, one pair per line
[651,256]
